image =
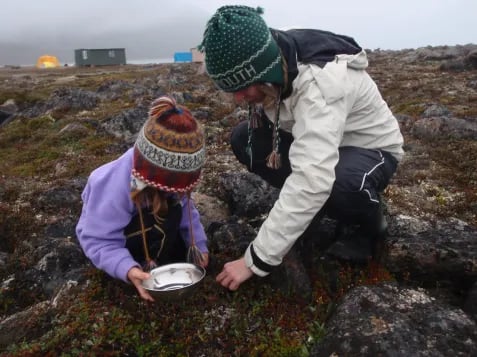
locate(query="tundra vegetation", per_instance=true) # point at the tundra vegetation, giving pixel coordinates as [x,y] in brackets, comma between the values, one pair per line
[55,132]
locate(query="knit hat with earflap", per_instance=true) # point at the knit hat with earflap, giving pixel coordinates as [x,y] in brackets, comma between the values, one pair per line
[170,149]
[240,50]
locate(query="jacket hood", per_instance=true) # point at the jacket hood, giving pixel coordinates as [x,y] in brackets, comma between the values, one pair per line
[357,61]
[311,46]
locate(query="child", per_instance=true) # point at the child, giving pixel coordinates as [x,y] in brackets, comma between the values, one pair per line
[137,211]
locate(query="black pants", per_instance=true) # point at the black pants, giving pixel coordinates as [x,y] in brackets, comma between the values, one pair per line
[361,174]
[164,241]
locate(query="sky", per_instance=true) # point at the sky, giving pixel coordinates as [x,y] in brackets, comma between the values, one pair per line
[155,29]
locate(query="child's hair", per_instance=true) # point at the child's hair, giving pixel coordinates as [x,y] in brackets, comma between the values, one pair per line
[154,199]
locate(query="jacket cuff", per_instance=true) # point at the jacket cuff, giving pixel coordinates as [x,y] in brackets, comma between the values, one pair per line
[123,267]
[255,264]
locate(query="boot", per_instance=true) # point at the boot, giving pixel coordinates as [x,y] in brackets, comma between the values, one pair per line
[350,246]
[361,244]
[378,232]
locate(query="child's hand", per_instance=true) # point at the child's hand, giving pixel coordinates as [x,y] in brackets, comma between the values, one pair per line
[136,276]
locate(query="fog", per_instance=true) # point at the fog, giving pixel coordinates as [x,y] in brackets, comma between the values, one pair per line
[155,29]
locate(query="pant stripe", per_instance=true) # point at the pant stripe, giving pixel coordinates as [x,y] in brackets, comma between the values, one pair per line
[371,171]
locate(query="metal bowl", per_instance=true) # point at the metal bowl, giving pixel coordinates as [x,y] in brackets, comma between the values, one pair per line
[174,281]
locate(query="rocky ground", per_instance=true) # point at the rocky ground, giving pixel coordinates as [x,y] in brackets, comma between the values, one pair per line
[57,125]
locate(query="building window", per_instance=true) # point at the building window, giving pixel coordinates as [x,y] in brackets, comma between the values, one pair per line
[111,54]
[85,54]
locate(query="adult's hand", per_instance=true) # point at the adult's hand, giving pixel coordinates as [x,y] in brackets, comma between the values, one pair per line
[136,276]
[233,274]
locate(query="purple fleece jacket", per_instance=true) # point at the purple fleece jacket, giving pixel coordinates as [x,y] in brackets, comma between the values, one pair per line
[107,210]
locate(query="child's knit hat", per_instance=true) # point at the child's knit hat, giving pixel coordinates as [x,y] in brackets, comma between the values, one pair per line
[240,50]
[170,149]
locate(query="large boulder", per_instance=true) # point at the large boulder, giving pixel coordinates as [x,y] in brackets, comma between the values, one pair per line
[388,320]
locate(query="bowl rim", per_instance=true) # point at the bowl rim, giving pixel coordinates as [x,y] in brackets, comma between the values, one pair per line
[176,265]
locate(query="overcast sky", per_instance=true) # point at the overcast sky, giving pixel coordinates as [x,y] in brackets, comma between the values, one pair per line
[155,29]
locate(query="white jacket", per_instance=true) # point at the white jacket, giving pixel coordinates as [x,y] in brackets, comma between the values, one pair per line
[330,107]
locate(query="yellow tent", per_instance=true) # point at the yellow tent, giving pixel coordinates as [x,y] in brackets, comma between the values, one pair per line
[47,61]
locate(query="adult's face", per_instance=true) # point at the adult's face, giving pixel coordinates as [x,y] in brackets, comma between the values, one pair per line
[251,95]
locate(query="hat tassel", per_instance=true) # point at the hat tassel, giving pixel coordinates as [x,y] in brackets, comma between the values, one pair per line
[150,263]
[274,160]
[251,124]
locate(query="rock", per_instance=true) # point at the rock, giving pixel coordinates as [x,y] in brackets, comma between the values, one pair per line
[438,127]
[66,196]
[9,107]
[231,237]
[202,114]
[470,303]
[466,62]
[388,320]
[113,89]
[7,111]
[291,276]
[436,110]
[126,124]
[453,66]
[15,328]
[439,53]
[443,253]
[74,130]
[471,59]
[211,210]
[247,194]
[4,117]
[64,100]
[61,260]
[234,118]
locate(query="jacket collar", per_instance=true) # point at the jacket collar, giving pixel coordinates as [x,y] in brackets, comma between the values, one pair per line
[310,46]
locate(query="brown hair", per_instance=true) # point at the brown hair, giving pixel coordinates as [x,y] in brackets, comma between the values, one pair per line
[153,198]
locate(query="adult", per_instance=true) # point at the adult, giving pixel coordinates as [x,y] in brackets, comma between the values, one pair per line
[318,129]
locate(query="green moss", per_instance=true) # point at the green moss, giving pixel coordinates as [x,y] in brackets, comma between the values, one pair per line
[109,318]
[414,109]
[23,97]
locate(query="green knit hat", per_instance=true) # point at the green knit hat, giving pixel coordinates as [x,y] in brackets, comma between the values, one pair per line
[240,50]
